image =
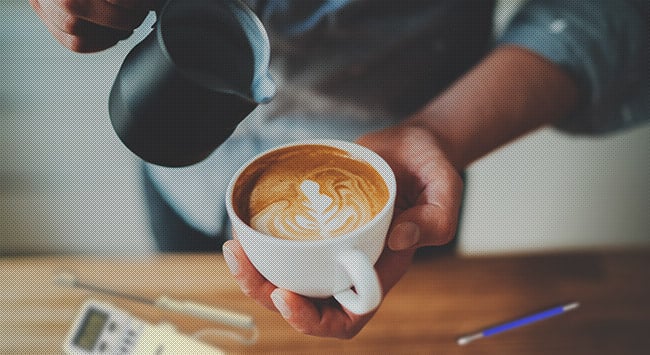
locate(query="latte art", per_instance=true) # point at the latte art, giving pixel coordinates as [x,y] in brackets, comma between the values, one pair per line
[316,216]
[309,192]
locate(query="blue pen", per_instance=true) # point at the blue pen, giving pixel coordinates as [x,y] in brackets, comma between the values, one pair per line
[518,323]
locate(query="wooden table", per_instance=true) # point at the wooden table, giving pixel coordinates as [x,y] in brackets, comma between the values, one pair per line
[438,300]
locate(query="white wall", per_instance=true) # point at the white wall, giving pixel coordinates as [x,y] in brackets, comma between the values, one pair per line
[552,191]
[67,183]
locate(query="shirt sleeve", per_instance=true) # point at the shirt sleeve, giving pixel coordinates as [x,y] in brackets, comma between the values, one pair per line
[603,45]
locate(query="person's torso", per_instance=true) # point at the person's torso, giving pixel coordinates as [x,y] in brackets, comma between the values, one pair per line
[369,58]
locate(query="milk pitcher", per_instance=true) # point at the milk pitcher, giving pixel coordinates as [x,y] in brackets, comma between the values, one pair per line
[183,90]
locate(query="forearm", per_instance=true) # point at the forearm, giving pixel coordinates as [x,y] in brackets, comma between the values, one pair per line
[510,93]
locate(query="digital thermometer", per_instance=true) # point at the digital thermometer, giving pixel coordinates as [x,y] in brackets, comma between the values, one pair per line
[100,328]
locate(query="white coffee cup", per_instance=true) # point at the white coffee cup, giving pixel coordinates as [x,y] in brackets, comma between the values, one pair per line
[325,267]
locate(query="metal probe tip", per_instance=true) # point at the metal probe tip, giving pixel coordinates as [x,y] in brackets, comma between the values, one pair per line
[469,338]
[65,279]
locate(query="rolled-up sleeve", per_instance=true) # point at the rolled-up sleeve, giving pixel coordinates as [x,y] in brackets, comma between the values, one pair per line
[603,45]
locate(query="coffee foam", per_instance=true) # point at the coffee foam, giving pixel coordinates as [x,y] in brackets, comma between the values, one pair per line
[309,192]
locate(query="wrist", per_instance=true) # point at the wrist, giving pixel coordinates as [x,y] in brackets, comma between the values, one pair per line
[441,138]
[510,93]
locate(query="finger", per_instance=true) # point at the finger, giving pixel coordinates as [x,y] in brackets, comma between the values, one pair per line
[299,312]
[323,318]
[86,44]
[251,282]
[66,13]
[433,217]
[94,39]
[423,225]
[77,34]
[391,266]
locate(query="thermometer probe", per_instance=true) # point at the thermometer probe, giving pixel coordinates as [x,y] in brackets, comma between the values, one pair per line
[184,307]
[518,323]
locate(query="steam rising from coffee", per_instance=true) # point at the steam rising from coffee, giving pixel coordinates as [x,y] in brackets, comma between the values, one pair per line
[309,192]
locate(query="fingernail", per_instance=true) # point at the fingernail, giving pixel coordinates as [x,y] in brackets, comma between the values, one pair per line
[404,236]
[231,261]
[280,304]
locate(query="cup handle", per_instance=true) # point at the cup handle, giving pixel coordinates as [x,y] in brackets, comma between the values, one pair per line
[365,281]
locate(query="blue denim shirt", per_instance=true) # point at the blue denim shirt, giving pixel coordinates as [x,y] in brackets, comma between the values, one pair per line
[603,44]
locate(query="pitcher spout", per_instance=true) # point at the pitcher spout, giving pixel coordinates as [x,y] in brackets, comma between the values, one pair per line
[263,89]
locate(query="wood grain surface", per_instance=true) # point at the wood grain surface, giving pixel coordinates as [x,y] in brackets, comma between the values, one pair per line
[439,299]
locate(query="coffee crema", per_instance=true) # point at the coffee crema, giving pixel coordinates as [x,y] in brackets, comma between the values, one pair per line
[308,192]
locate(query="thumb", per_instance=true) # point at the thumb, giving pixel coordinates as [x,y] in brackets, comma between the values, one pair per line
[423,225]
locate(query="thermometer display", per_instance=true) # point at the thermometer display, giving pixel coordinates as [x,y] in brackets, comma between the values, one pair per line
[91,328]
